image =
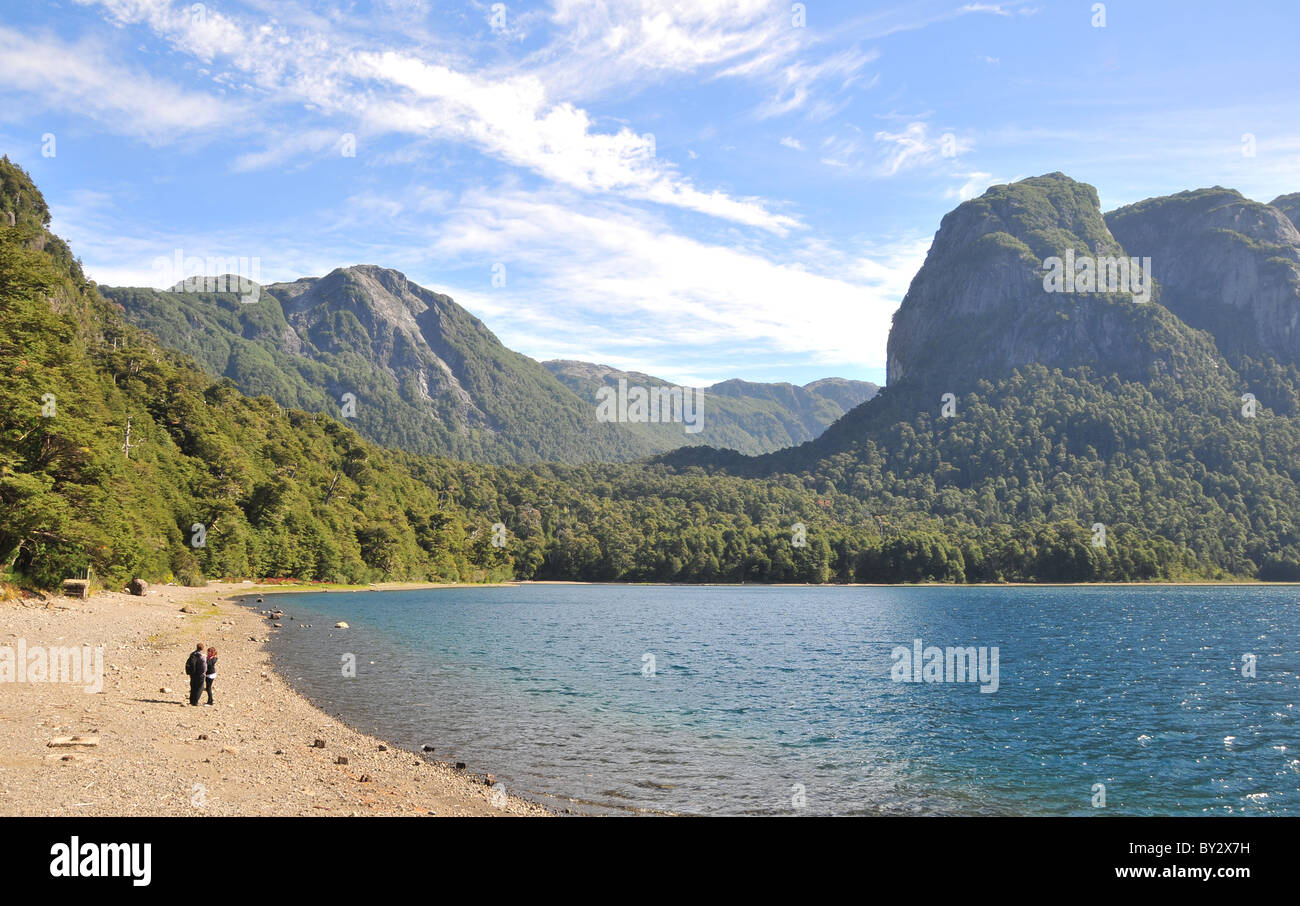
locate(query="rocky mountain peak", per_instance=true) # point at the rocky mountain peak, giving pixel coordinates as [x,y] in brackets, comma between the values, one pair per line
[980,305]
[1226,264]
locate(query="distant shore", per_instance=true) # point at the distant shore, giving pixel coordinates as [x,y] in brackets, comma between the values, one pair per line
[1215,583]
[252,753]
[236,589]
[304,587]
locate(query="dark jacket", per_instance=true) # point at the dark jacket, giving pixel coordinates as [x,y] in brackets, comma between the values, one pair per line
[212,666]
[196,665]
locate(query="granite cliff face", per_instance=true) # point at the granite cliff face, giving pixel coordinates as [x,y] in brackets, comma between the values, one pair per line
[978,307]
[1288,205]
[1226,264]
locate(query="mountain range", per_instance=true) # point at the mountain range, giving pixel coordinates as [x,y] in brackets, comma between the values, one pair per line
[1033,428]
[427,376]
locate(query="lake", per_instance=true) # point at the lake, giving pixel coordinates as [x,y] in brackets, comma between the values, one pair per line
[753,700]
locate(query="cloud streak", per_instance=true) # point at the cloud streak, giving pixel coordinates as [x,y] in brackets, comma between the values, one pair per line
[83,77]
[387,91]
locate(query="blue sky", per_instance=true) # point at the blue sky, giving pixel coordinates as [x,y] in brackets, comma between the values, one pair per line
[697,190]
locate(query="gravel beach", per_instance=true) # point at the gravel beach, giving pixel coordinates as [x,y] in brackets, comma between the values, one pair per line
[137,747]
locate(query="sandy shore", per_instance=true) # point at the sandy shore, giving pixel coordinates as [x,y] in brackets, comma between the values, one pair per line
[250,754]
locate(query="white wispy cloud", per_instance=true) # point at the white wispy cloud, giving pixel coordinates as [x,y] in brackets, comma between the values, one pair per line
[513,118]
[664,289]
[796,84]
[915,146]
[605,46]
[85,77]
[290,146]
[975,183]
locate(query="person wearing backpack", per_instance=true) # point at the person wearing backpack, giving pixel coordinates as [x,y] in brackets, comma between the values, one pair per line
[197,668]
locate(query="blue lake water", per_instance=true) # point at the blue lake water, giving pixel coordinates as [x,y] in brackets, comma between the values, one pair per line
[769,700]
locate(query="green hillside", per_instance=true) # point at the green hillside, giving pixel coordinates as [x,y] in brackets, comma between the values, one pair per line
[744,416]
[425,375]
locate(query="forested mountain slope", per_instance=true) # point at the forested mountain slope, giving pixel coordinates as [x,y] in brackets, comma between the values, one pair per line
[413,370]
[1010,405]
[120,456]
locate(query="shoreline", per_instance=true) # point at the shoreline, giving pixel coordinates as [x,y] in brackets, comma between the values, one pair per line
[289,588]
[252,754]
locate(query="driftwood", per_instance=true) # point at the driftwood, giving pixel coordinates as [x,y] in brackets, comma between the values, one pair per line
[62,742]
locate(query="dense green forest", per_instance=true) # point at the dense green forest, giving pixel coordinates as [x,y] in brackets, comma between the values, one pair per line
[1010,488]
[212,483]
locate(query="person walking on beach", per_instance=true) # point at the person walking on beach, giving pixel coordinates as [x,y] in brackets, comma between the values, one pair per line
[212,671]
[197,668]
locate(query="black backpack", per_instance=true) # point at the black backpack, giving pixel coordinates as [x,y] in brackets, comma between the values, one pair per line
[190,664]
